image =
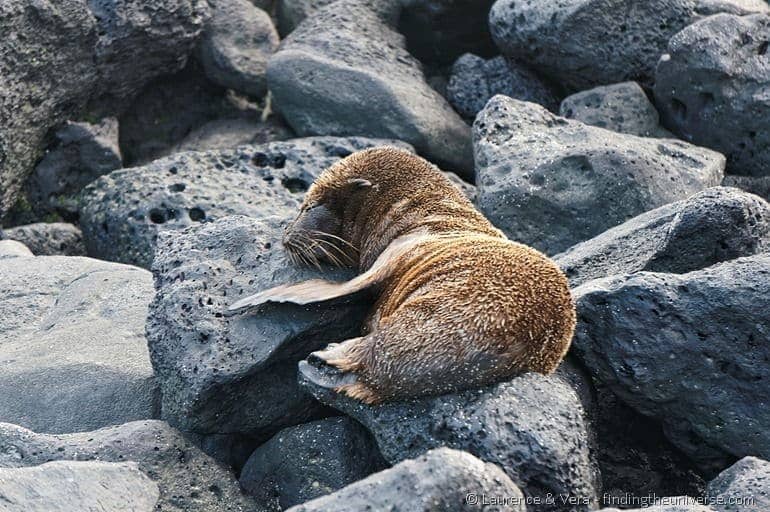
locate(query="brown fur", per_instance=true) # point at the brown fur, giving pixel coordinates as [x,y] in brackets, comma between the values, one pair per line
[459,305]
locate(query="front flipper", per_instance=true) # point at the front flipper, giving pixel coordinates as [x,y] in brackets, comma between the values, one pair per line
[319,290]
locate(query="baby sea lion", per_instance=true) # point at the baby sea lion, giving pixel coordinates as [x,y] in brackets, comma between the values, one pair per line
[458,305]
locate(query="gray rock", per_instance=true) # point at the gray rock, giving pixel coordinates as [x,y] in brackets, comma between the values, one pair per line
[81,153]
[105,52]
[235,47]
[711,88]
[584,43]
[551,182]
[743,487]
[759,185]
[188,480]
[475,80]
[533,427]
[741,7]
[234,132]
[666,504]
[364,82]
[622,107]
[169,109]
[235,376]
[73,354]
[640,334]
[13,249]
[442,479]
[715,225]
[49,239]
[290,13]
[64,486]
[309,461]
[123,212]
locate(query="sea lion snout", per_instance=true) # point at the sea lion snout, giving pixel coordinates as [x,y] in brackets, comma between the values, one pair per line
[314,237]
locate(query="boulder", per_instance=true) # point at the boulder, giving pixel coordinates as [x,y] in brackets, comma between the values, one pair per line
[106,52]
[231,378]
[13,249]
[290,13]
[309,461]
[475,80]
[49,239]
[664,504]
[715,225]
[743,487]
[551,182]
[584,43]
[622,107]
[441,479]
[533,427]
[639,334]
[345,71]
[236,44]
[229,133]
[709,7]
[123,212]
[713,88]
[65,486]
[759,185]
[187,479]
[73,354]
[81,152]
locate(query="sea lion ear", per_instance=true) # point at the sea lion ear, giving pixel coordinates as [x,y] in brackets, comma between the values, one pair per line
[360,183]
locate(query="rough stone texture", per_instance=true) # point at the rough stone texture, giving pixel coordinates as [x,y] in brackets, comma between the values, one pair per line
[713,88]
[309,461]
[81,152]
[105,52]
[743,487]
[188,480]
[551,182]
[235,376]
[533,427]
[667,504]
[715,225]
[73,354]
[475,80]
[384,92]
[13,249]
[622,107]
[233,132]
[442,479]
[640,334]
[65,486]
[584,43]
[709,7]
[290,13]
[49,239]
[236,44]
[123,212]
[759,185]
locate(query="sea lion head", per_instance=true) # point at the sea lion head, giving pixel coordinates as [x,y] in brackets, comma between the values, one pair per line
[317,234]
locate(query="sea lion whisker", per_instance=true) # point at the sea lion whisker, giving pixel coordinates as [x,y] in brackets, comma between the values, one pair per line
[335,237]
[347,257]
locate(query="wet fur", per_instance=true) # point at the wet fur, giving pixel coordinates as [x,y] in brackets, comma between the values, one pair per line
[459,306]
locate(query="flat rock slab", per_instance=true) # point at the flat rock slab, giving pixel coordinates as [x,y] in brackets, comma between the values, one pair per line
[639,334]
[73,354]
[65,486]
[551,182]
[187,479]
[236,375]
[718,224]
[345,70]
[442,479]
[533,427]
[123,212]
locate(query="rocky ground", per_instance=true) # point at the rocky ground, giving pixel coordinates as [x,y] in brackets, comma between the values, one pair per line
[151,153]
